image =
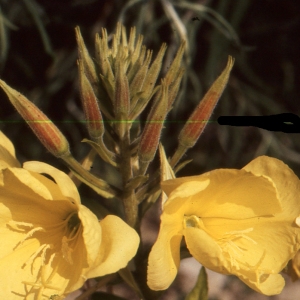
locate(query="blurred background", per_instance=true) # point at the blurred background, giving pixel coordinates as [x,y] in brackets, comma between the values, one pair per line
[38,58]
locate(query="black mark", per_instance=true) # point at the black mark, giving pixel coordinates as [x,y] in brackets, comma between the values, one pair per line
[195,19]
[285,122]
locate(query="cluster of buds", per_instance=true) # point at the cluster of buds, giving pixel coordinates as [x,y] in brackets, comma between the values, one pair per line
[121,83]
[116,87]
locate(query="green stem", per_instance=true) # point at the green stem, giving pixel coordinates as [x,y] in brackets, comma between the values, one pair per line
[180,151]
[128,196]
[143,166]
[88,178]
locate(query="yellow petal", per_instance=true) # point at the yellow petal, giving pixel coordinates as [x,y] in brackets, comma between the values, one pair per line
[119,245]
[254,238]
[92,233]
[205,249]
[164,258]
[169,186]
[24,198]
[234,194]
[64,182]
[271,284]
[7,153]
[285,180]
[179,198]
[248,249]
[14,264]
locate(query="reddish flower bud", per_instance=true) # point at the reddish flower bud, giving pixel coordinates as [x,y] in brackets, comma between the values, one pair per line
[151,134]
[90,105]
[197,121]
[44,129]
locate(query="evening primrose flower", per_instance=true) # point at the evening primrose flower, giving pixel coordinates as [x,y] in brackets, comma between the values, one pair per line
[241,222]
[50,243]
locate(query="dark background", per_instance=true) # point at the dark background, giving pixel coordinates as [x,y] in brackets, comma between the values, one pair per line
[38,58]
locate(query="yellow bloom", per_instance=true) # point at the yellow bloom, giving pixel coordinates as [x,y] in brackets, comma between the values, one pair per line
[241,222]
[50,243]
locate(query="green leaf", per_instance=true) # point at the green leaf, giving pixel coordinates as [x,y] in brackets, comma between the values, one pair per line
[200,290]
[135,182]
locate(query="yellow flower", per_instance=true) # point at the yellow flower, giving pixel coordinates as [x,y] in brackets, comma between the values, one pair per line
[50,243]
[241,222]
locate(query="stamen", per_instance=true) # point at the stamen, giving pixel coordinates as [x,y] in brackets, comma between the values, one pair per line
[28,235]
[14,225]
[66,250]
[42,284]
[228,244]
[34,255]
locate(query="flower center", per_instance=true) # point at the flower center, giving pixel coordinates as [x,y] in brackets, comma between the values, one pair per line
[193,221]
[73,224]
[69,239]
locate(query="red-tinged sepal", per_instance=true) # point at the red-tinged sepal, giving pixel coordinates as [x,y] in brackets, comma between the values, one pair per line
[198,120]
[90,106]
[152,131]
[49,135]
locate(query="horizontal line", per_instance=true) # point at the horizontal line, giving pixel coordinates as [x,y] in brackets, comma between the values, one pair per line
[114,121]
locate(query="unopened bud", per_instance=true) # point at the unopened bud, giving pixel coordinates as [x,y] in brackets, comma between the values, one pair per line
[89,66]
[122,100]
[152,131]
[175,67]
[49,135]
[90,105]
[197,121]
[150,80]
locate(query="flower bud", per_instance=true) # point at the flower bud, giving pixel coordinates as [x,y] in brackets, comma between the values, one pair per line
[89,66]
[175,67]
[150,80]
[197,121]
[151,134]
[122,100]
[90,105]
[44,129]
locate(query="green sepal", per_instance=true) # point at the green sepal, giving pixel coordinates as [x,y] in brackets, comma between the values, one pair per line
[200,290]
[136,181]
[100,191]
[182,165]
[109,87]
[103,152]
